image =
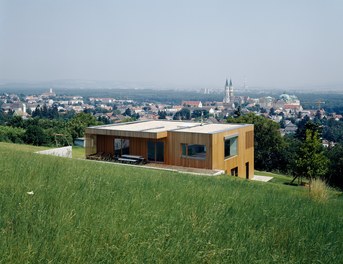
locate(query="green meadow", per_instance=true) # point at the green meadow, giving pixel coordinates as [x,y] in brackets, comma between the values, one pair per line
[88,212]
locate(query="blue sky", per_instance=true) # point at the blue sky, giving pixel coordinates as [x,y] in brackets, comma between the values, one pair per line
[187,43]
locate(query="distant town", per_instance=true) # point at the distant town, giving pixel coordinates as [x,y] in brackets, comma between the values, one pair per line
[286,109]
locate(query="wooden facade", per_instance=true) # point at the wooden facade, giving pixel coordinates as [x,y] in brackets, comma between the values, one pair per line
[213,143]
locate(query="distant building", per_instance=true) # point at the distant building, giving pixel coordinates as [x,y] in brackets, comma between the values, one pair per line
[292,107]
[228,100]
[48,94]
[192,103]
[18,106]
[80,142]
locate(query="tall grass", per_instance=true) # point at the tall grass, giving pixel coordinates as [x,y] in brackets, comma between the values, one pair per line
[88,212]
[319,191]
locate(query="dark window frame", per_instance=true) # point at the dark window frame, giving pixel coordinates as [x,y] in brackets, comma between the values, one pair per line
[158,148]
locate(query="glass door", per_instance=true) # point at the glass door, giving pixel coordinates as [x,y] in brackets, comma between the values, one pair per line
[156,151]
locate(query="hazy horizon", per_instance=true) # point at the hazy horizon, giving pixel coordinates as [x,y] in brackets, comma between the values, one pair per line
[187,44]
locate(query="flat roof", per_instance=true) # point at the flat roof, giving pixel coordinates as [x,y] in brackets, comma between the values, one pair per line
[152,126]
[159,128]
[211,128]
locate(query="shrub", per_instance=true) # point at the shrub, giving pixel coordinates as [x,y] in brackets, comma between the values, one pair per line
[11,134]
[319,191]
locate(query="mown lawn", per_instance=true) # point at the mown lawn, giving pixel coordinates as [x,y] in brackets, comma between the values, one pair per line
[88,212]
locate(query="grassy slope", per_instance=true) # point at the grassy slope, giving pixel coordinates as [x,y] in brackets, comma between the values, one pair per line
[277,177]
[21,147]
[78,152]
[87,212]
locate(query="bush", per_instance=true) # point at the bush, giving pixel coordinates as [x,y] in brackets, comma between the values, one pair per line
[319,191]
[11,134]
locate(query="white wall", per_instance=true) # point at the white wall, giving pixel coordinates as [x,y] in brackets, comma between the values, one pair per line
[61,152]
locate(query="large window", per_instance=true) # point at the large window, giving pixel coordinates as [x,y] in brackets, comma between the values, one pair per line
[121,146]
[193,151]
[156,151]
[230,146]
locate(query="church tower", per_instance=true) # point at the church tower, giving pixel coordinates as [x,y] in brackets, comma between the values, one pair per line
[231,92]
[226,99]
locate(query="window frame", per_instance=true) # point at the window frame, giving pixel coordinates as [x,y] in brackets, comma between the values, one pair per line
[185,151]
[231,137]
[156,149]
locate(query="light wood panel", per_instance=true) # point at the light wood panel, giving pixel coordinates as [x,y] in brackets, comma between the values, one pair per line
[173,153]
[176,138]
[91,144]
[244,154]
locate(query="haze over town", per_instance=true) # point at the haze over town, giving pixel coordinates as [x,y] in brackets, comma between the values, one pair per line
[173,44]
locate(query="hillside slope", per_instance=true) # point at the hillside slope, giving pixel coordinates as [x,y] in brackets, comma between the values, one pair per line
[88,212]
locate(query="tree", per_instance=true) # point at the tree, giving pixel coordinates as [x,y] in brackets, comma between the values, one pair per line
[78,124]
[183,114]
[271,111]
[198,113]
[237,112]
[104,119]
[29,111]
[35,135]
[11,134]
[318,115]
[53,112]
[268,141]
[335,172]
[44,111]
[2,117]
[333,131]
[128,112]
[311,162]
[37,112]
[289,154]
[307,124]
[147,108]
[16,121]
[162,114]
[282,123]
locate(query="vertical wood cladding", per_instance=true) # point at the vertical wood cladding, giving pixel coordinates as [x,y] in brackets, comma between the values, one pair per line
[105,144]
[175,139]
[138,146]
[91,144]
[249,139]
[215,157]
[244,155]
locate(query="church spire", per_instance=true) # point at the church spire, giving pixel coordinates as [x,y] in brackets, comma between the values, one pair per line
[228,95]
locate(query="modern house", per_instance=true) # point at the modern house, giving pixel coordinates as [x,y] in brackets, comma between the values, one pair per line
[228,147]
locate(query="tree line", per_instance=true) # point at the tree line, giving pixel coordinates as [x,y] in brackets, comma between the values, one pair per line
[47,127]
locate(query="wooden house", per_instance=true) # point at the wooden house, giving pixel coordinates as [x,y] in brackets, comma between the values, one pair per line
[228,147]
